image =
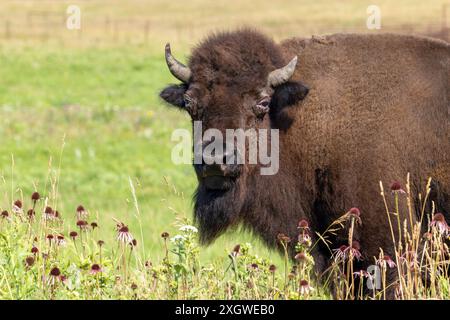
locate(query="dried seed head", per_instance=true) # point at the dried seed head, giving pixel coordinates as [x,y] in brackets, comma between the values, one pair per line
[29,261]
[94,225]
[73,234]
[34,250]
[35,196]
[5,214]
[48,210]
[272,268]
[165,235]
[100,243]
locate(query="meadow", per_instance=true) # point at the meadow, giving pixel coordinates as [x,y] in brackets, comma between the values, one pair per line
[81,123]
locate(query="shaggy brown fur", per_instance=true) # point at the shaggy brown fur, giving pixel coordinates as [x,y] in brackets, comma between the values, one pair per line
[377,108]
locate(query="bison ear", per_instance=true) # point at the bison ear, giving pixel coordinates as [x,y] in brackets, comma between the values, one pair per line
[174,95]
[288,94]
[285,95]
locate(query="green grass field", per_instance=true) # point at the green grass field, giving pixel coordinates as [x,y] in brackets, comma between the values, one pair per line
[85,114]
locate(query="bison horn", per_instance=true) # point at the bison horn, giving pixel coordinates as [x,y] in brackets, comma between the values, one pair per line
[179,70]
[282,75]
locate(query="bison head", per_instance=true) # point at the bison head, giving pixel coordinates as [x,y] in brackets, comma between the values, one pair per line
[238,80]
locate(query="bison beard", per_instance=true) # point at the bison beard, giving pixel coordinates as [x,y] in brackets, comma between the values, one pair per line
[215,211]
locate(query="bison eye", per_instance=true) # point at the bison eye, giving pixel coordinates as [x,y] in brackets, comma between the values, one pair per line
[262,107]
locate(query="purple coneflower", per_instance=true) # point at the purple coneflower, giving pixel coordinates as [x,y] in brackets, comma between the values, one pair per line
[50,237]
[31,213]
[304,238]
[82,224]
[29,261]
[49,214]
[340,254]
[60,240]
[73,234]
[386,260]
[300,257]
[34,250]
[94,225]
[124,234]
[305,288]
[81,213]
[303,225]
[254,266]
[165,235]
[5,214]
[355,250]
[396,187]
[272,268]
[100,243]
[55,274]
[356,214]
[35,196]
[236,250]
[17,207]
[95,268]
[439,222]
[284,239]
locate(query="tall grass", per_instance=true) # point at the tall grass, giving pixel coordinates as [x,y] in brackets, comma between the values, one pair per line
[42,256]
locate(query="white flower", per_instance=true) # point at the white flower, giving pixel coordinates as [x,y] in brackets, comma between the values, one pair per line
[178,238]
[188,228]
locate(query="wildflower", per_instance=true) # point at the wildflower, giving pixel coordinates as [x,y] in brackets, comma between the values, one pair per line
[50,238]
[300,257]
[48,213]
[55,274]
[5,214]
[133,243]
[305,288]
[81,212]
[396,187]
[34,250]
[94,225]
[57,214]
[17,207]
[355,214]
[178,239]
[304,239]
[439,222]
[100,243]
[63,278]
[60,240]
[165,235]
[82,224]
[148,264]
[31,213]
[124,235]
[291,275]
[95,268]
[188,228]
[29,261]
[254,266]
[35,197]
[134,286]
[73,234]
[355,250]
[303,225]
[340,254]
[386,260]
[236,250]
[272,268]
[362,274]
[284,239]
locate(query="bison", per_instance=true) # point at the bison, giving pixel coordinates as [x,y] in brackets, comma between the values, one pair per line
[352,110]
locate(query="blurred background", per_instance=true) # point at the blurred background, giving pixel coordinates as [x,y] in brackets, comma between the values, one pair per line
[79,111]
